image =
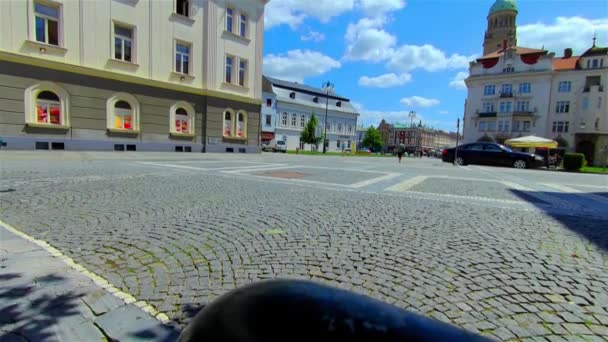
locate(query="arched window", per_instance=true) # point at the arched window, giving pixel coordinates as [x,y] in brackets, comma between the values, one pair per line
[48,108]
[123,113]
[182,119]
[228,122]
[241,124]
[46,104]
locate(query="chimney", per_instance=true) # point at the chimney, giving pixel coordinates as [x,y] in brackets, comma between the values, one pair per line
[567,53]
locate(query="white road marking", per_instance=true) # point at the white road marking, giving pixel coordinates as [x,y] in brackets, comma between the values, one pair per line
[407,184]
[375,180]
[186,167]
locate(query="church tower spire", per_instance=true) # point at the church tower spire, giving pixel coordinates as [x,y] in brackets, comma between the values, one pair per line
[502,26]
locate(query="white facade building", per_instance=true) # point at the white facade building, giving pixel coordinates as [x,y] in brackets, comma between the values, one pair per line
[516,91]
[163,62]
[295,104]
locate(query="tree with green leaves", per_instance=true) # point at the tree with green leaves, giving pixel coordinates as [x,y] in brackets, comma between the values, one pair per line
[372,139]
[309,133]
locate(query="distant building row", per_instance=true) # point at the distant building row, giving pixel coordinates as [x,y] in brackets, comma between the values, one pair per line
[415,137]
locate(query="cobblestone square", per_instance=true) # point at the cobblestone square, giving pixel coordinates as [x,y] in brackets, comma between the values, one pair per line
[517,255]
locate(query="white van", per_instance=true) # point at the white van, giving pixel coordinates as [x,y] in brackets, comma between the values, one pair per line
[280,146]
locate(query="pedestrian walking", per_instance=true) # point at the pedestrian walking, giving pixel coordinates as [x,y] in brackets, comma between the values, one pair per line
[400,151]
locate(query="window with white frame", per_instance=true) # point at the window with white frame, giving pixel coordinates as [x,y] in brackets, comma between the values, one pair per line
[526,126]
[268,120]
[123,43]
[350,130]
[182,7]
[562,107]
[242,72]
[507,89]
[228,121]
[302,121]
[491,125]
[525,88]
[46,103]
[505,107]
[516,126]
[564,87]
[489,89]
[506,126]
[123,113]
[229,19]
[229,65]
[597,123]
[284,120]
[48,108]
[500,125]
[182,58]
[482,125]
[241,124]
[560,126]
[488,107]
[522,106]
[182,118]
[294,119]
[338,143]
[46,22]
[339,127]
[585,103]
[243,25]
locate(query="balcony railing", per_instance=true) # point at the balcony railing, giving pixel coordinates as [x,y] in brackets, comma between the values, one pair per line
[523,113]
[486,114]
[588,88]
[504,95]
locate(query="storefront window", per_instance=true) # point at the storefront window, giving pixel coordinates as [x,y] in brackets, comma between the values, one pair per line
[48,108]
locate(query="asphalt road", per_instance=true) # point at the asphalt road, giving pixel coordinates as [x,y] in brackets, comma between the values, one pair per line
[504,252]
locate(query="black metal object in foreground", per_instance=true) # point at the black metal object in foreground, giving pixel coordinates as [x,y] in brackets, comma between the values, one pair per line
[288,310]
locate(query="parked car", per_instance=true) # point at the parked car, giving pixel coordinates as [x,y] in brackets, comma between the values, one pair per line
[492,154]
[267,146]
[280,146]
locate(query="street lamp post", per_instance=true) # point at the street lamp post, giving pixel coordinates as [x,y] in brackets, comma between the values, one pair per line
[327,88]
[419,144]
[412,116]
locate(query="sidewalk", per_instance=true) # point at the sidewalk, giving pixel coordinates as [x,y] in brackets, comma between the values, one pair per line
[44,299]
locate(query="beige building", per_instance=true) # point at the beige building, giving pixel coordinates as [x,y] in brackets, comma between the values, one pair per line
[162,75]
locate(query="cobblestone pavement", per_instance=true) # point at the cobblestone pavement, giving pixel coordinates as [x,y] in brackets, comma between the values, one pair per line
[523,256]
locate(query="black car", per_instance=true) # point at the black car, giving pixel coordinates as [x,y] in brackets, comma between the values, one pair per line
[492,154]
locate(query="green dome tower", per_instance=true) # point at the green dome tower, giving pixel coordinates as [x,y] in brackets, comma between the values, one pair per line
[502,26]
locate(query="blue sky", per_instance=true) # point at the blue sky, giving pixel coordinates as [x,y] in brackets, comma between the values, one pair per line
[393,56]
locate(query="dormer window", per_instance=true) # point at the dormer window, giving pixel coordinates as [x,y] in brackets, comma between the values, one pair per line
[339,104]
[315,99]
[292,95]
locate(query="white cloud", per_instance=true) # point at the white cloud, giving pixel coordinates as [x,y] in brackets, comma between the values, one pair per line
[367,41]
[312,36]
[296,65]
[379,7]
[385,81]
[564,32]
[293,12]
[444,112]
[427,57]
[458,80]
[419,101]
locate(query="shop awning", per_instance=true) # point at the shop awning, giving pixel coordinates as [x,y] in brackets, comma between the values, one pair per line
[531,141]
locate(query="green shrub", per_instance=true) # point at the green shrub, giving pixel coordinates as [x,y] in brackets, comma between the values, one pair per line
[574,161]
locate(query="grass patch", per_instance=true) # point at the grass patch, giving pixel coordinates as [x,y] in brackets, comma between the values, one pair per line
[594,169]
